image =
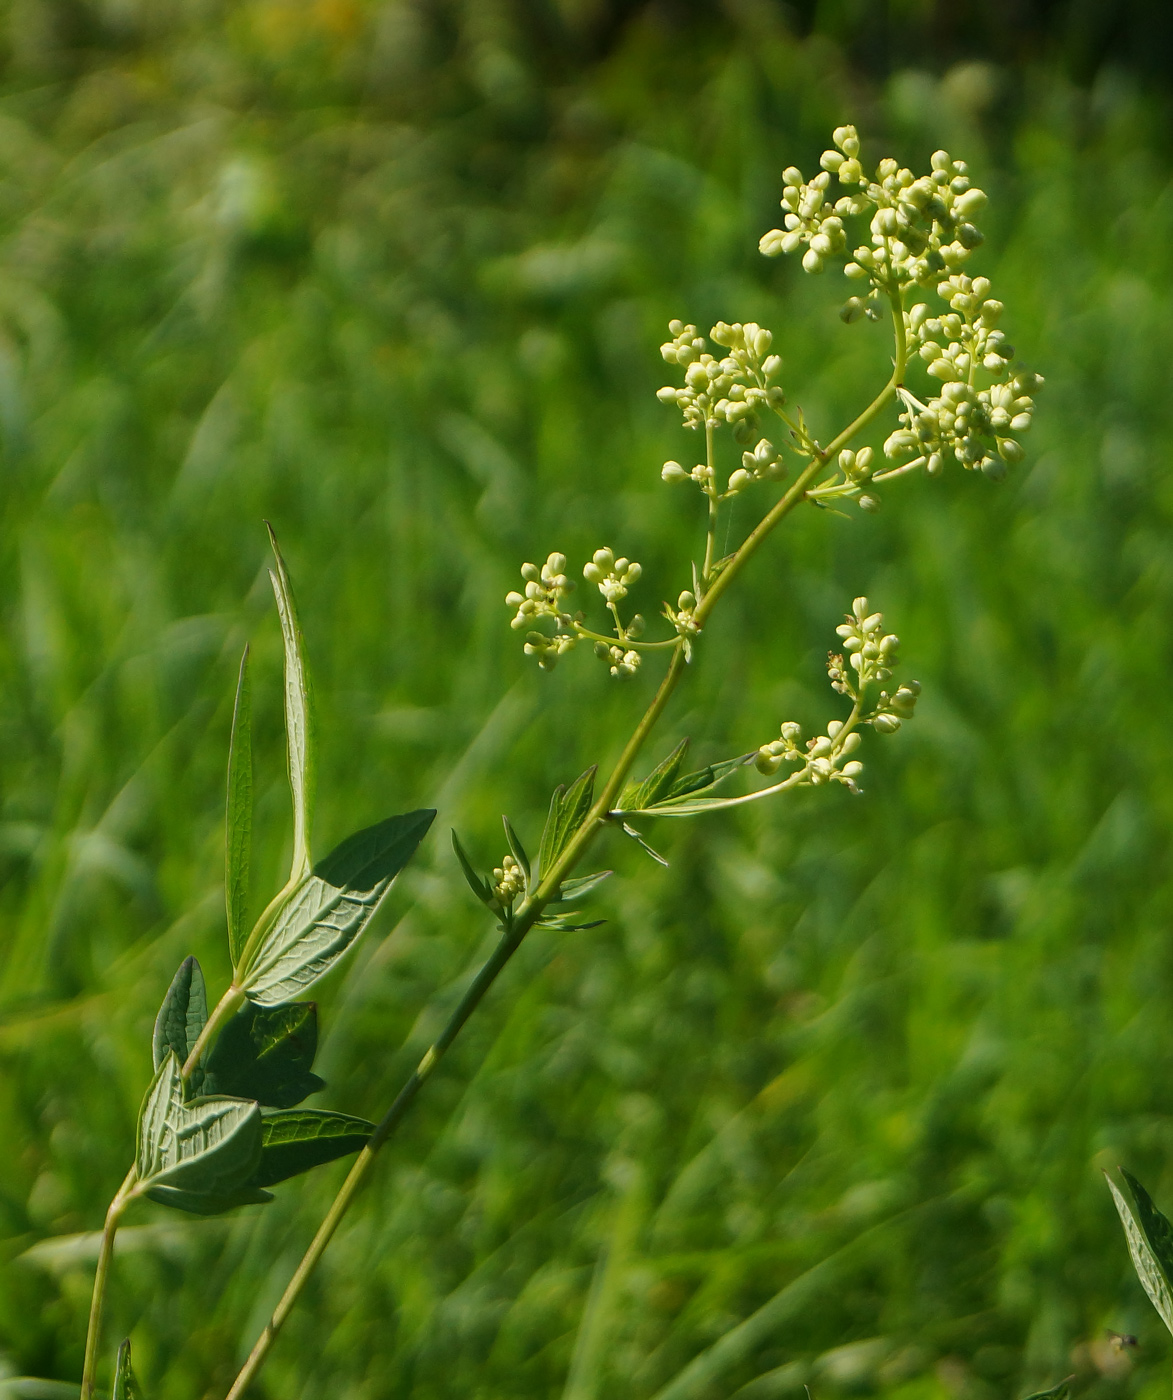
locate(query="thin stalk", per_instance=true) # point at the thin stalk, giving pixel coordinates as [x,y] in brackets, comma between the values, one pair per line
[101,1276]
[227,1007]
[711,493]
[531,908]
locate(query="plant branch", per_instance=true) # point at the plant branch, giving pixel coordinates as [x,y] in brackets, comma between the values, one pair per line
[101,1277]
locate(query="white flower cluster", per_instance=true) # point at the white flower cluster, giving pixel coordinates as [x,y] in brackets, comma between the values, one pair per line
[970,424]
[730,390]
[612,576]
[921,228]
[826,759]
[763,463]
[508,882]
[871,651]
[624,663]
[681,617]
[542,605]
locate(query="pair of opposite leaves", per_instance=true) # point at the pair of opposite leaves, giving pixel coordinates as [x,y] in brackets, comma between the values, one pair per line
[205,1146]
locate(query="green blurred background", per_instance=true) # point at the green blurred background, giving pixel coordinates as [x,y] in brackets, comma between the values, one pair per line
[825,1102]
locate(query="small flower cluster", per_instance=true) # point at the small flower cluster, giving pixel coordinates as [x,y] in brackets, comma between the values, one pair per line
[542,606]
[970,424]
[871,651]
[763,463]
[508,882]
[921,228]
[855,470]
[826,759]
[612,576]
[623,663]
[681,617]
[730,390]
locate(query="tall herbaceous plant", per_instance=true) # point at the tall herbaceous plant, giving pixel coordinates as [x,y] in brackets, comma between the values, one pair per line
[223,1119]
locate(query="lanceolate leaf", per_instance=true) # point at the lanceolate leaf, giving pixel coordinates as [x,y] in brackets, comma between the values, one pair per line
[580,886]
[1057,1392]
[683,798]
[265,1053]
[477,883]
[1150,1243]
[568,809]
[640,795]
[211,1146]
[239,815]
[331,907]
[299,726]
[302,1138]
[181,1018]
[517,849]
[125,1385]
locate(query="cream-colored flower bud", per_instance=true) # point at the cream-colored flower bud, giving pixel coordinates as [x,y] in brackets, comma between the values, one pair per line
[673,471]
[885,724]
[851,742]
[767,763]
[854,768]
[738,481]
[811,261]
[686,602]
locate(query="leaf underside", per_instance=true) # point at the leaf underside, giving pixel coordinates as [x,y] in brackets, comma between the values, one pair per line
[181,1018]
[266,1053]
[1150,1244]
[327,912]
[299,1139]
[299,727]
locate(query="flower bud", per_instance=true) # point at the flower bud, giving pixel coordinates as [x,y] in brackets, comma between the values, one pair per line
[767,763]
[811,261]
[791,732]
[852,769]
[869,503]
[1010,450]
[852,310]
[673,471]
[885,724]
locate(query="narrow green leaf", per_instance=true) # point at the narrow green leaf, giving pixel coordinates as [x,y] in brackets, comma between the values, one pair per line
[181,1018]
[517,849]
[705,778]
[563,924]
[1057,1392]
[125,1385]
[299,722]
[581,885]
[637,796]
[301,1138]
[201,1203]
[210,1146]
[1150,1243]
[568,809]
[265,1053]
[329,910]
[630,830]
[238,818]
[477,883]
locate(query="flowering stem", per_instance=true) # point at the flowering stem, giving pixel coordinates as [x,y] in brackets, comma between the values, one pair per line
[535,902]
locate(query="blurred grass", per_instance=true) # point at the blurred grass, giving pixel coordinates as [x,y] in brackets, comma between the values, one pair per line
[824,1103]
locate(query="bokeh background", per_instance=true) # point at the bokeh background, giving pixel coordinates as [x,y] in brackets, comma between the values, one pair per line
[827,1101]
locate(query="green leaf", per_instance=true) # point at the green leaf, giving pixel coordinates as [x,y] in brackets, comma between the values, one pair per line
[181,1018]
[1057,1392]
[265,1053]
[210,1146]
[125,1385]
[299,722]
[200,1203]
[327,912]
[581,885]
[1150,1243]
[683,797]
[301,1138]
[637,796]
[517,849]
[239,815]
[477,883]
[568,809]
[563,924]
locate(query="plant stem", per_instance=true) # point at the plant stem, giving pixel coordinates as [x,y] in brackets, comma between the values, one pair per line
[98,1299]
[531,908]
[227,1007]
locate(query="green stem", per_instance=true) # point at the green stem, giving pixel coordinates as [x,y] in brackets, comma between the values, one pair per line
[531,908]
[229,1004]
[711,492]
[101,1276]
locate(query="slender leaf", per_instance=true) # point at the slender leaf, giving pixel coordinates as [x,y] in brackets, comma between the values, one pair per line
[637,796]
[265,1053]
[568,809]
[517,849]
[299,723]
[210,1146]
[630,830]
[1057,1392]
[181,1018]
[203,1203]
[329,910]
[581,885]
[1150,1243]
[302,1138]
[683,797]
[477,883]
[125,1385]
[238,818]
[563,924]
